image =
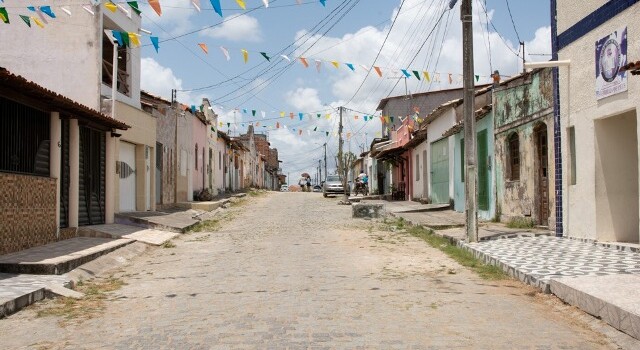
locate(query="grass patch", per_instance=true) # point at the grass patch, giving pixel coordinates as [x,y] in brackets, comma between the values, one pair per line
[90,306]
[206,226]
[520,222]
[256,193]
[168,244]
[463,257]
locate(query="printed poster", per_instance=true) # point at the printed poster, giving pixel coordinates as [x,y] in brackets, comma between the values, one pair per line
[611,55]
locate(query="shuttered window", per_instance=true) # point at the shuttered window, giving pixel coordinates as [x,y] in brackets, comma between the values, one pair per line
[513,143]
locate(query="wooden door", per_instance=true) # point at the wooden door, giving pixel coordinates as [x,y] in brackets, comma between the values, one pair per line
[440,172]
[483,171]
[543,175]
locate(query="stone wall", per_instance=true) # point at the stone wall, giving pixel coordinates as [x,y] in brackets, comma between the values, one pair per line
[27,211]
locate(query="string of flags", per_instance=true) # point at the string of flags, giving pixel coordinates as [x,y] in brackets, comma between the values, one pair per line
[436,77]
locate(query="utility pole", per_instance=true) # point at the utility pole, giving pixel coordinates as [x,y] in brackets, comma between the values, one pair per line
[524,70]
[325,160]
[469,122]
[319,171]
[341,160]
[174,95]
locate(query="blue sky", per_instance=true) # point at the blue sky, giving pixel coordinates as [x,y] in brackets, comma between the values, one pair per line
[356,38]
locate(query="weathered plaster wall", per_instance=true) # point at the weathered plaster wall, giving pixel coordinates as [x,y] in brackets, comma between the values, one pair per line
[165,134]
[486,123]
[200,139]
[580,108]
[434,133]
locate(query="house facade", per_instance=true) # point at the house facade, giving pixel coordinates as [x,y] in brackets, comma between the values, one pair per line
[47,56]
[54,156]
[596,126]
[524,152]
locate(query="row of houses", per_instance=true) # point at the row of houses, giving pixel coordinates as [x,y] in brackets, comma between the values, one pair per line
[80,144]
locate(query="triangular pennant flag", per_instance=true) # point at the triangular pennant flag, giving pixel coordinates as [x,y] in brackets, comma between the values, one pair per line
[426,76]
[318,115]
[4,16]
[392,118]
[377,69]
[245,55]
[336,64]
[225,52]
[88,9]
[47,10]
[228,125]
[304,62]
[263,114]
[348,135]
[364,67]
[204,47]
[26,20]
[286,58]
[318,65]
[328,116]
[323,2]
[327,133]
[450,79]
[437,79]
[477,78]
[301,115]
[118,37]
[266,3]
[133,38]
[196,4]
[220,124]
[65,10]
[125,39]
[417,74]
[291,115]
[350,65]
[356,117]
[134,6]
[154,41]
[244,111]
[257,123]
[264,54]
[193,109]
[241,4]
[365,118]
[406,74]
[316,128]
[277,125]
[216,6]
[281,114]
[253,112]
[111,6]
[155,5]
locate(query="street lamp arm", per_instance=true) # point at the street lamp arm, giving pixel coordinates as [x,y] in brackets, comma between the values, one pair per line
[547,64]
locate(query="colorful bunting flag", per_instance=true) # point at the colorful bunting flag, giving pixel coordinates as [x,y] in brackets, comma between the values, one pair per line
[155,5]
[225,52]
[286,58]
[134,7]
[65,10]
[301,115]
[26,20]
[350,65]
[417,74]
[125,39]
[111,6]
[196,4]
[281,114]
[154,41]
[450,79]
[133,38]
[336,64]
[377,69]
[304,62]
[426,76]
[264,54]
[318,65]
[477,78]
[266,3]
[204,48]
[263,114]
[241,4]
[323,2]
[291,115]
[245,55]
[216,7]
[47,10]
[117,37]
[406,74]
[4,16]
[253,112]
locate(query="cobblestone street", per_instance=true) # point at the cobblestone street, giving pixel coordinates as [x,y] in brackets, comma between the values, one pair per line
[293,270]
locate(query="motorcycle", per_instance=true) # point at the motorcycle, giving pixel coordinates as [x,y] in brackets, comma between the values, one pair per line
[360,187]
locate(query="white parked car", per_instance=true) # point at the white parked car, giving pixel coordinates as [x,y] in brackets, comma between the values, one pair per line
[284,188]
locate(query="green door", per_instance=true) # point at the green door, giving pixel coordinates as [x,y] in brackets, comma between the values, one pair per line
[440,172]
[483,171]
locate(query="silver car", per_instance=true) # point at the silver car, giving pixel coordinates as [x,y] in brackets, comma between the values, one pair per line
[333,185]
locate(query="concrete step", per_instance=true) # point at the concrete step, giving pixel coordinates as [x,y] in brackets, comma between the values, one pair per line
[179,222]
[203,206]
[612,298]
[116,231]
[59,257]
[18,291]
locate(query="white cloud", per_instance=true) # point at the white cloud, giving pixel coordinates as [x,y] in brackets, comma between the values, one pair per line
[236,28]
[176,19]
[159,80]
[304,99]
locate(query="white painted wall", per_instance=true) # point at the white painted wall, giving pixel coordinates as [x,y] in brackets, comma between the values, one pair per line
[580,108]
[435,129]
[419,185]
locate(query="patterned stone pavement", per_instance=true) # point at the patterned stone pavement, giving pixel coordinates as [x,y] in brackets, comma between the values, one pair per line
[536,260]
[294,271]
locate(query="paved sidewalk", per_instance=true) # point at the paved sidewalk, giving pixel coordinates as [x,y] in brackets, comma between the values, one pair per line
[18,291]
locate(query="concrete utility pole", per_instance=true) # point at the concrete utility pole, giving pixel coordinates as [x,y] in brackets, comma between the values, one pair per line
[325,160]
[345,198]
[471,208]
[319,171]
[174,96]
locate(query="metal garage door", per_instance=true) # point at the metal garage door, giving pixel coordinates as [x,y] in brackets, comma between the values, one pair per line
[127,176]
[440,172]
